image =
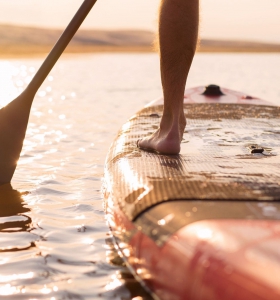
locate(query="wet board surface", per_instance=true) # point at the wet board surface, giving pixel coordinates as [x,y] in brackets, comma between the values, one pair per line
[225,183]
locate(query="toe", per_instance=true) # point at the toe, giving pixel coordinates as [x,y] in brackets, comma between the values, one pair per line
[137,143]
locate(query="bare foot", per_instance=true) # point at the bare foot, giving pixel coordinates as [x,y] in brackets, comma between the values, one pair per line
[167,138]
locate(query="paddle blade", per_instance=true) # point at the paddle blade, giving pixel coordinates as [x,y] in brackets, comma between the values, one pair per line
[13,123]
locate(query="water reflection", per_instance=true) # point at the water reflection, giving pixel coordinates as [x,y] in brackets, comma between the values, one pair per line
[12,209]
[122,284]
[15,224]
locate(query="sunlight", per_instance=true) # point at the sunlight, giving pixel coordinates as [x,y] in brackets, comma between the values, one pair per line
[8,90]
[3,261]
[135,181]
[205,233]
[81,217]
[113,284]
[7,289]
[16,277]
[45,290]
[88,241]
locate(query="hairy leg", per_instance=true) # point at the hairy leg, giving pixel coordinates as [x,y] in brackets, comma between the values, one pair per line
[178,33]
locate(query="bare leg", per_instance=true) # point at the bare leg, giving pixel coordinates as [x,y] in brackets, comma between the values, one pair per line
[178,32]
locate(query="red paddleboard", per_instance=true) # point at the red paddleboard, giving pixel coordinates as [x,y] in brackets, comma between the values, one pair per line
[204,224]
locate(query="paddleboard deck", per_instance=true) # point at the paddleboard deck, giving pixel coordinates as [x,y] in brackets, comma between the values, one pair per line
[204,224]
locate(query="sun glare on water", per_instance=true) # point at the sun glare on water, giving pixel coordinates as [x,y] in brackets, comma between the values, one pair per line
[8,89]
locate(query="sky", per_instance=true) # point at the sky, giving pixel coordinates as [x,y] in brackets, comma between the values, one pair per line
[256,20]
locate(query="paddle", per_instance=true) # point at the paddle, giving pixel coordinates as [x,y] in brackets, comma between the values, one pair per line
[14,117]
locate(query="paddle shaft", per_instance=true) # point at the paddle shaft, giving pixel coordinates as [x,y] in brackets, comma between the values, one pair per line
[60,45]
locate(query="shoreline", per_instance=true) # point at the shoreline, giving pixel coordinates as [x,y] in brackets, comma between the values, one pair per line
[39,51]
[21,41]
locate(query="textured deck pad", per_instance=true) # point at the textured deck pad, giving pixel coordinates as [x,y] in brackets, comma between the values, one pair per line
[217,160]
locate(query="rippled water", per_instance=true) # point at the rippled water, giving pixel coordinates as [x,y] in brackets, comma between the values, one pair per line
[54,240]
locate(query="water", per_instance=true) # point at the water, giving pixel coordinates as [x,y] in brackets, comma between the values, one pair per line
[54,240]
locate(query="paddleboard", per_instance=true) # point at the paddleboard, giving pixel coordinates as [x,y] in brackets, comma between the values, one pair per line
[204,224]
